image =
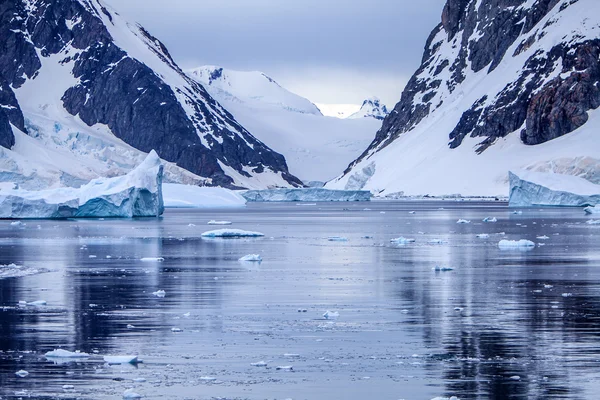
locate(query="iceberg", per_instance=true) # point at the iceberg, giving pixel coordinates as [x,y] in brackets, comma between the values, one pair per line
[592,210]
[121,359]
[188,196]
[60,353]
[547,189]
[231,233]
[331,315]
[137,194]
[515,244]
[306,195]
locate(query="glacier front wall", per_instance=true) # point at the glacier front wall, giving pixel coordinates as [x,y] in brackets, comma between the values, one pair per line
[526,193]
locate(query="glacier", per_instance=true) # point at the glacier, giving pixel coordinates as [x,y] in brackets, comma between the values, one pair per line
[529,189]
[311,194]
[136,194]
[191,196]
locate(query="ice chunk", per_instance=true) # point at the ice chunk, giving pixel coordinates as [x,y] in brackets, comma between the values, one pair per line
[284,368]
[152,259]
[259,364]
[60,353]
[37,303]
[306,195]
[436,241]
[208,378]
[463,221]
[331,314]
[121,359]
[483,236]
[137,194]
[213,222]
[542,237]
[160,293]
[511,244]
[593,222]
[402,240]
[490,219]
[187,196]
[176,330]
[17,271]
[437,268]
[592,210]
[529,189]
[231,233]
[251,257]
[16,223]
[337,239]
[68,387]
[130,394]
[22,373]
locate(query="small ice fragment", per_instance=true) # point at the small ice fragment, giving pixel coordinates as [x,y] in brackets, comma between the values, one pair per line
[129,326]
[152,259]
[230,233]
[490,219]
[367,237]
[60,353]
[108,256]
[548,286]
[22,373]
[331,314]
[402,240]
[537,291]
[567,294]
[436,241]
[187,314]
[291,355]
[515,378]
[176,330]
[483,236]
[37,303]
[458,308]
[542,237]
[517,212]
[437,268]
[337,239]
[68,387]
[593,222]
[251,258]
[463,221]
[213,222]
[284,368]
[16,223]
[139,380]
[508,244]
[130,394]
[191,225]
[259,364]
[121,359]
[208,378]
[412,212]
[92,256]
[382,212]
[159,293]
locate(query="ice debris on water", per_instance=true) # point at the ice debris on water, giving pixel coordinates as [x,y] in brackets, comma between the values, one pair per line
[130,394]
[259,364]
[176,330]
[160,293]
[437,268]
[121,359]
[483,236]
[230,233]
[68,387]
[544,237]
[331,314]
[402,240]
[593,222]
[37,303]
[22,373]
[515,378]
[251,258]
[337,239]
[490,219]
[463,221]
[60,353]
[16,223]
[436,241]
[284,368]
[152,259]
[509,244]
[213,222]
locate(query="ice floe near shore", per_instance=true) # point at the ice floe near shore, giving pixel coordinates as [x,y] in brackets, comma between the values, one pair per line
[231,233]
[529,189]
[137,194]
[306,195]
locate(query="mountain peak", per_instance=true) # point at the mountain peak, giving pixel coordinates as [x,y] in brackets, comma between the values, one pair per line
[371,108]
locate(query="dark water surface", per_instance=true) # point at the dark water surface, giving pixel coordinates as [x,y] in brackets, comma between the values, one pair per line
[503,324]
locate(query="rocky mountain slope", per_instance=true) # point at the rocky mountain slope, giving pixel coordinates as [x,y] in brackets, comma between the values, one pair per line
[75,75]
[504,84]
[371,108]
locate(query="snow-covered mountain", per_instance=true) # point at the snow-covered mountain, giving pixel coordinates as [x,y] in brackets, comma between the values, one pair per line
[316,147]
[371,108]
[251,87]
[85,93]
[504,85]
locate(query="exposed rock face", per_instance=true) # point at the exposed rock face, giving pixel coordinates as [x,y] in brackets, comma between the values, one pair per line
[549,98]
[371,108]
[140,94]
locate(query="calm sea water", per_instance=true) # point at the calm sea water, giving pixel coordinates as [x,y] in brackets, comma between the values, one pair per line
[502,324]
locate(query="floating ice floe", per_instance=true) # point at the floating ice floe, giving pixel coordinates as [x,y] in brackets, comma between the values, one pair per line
[152,259]
[436,241]
[176,330]
[121,359]
[544,237]
[252,258]
[515,378]
[17,223]
[259,364]
[337,239]
[483,236]
[517,212]
[592,210]
[437,268]
[463,221]
[130,394]
[306,195]
[18,271]
[529,189]
[22,373]
[490,219]
[159,293]
[593,222]
[511,244]
[137,194]
[402,240]
[412,212]
[291,355]
[284,368]
[68,387]
[331,315]
[37,303]
[60,353]
[213,222]
[231,233]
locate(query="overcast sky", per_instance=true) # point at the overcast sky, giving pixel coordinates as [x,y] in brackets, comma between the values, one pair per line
[330,51]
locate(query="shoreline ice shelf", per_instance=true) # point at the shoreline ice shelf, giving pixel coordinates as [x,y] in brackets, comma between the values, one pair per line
[528,189]
[312,194]
[137,194]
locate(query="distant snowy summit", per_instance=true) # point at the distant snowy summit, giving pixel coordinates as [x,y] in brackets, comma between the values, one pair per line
[371,108]
[252,88]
